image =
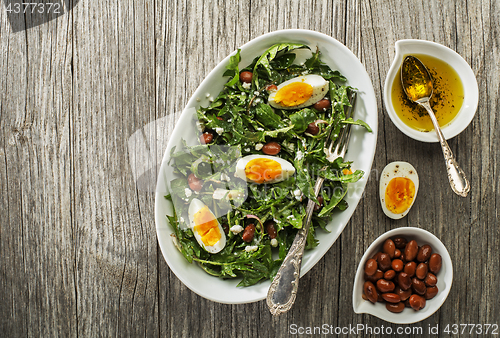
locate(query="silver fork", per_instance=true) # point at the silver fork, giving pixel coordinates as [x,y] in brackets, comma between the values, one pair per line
[283,289]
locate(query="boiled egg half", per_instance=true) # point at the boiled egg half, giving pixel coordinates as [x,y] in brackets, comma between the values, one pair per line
[206,229]
[263,169]
[299,92]
[398,189]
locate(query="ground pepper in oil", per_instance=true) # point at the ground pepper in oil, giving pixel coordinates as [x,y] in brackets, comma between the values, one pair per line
[446,100]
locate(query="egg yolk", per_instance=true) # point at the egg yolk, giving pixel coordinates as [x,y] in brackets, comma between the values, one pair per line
[206,226]
[294,94]
[347,172]
[260,170]
[399,194]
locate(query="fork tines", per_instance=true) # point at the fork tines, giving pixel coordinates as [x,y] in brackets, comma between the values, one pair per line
[345,133]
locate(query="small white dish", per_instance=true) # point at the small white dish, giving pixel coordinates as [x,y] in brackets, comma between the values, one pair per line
[361,151]
[408,316]
[471,91]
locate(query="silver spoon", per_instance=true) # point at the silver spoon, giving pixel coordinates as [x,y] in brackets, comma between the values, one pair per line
[417,84]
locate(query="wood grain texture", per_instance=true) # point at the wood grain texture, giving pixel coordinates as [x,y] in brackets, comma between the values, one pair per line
[87,102]
[116,251]
[37,243]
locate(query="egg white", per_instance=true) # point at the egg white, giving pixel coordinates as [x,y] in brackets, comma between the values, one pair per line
[287,169]
[318,83]
[392,170]
[194,207]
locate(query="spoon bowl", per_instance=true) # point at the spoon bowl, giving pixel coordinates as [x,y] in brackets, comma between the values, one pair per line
[416,80]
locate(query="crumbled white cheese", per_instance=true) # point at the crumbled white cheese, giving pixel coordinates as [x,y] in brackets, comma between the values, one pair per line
[256,93]
[219,130]
[199,126]
[250,248]
[207,94]
[274,242]
[227,194]
[198,99]
[181,219]
[224,177]
[298,194]
[258,100]
[247,85]
[260,129]
[247,150]
[299,155]
[236,229]
[211,99]
[258,146]
[219,194]
[188,192]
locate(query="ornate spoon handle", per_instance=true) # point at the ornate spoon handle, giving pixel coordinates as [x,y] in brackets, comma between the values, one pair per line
[458,181]
[283,289]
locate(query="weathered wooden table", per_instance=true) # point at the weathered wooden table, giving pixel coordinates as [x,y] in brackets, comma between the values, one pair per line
[78,248]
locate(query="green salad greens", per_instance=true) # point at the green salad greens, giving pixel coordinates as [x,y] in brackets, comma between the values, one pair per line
[240,123]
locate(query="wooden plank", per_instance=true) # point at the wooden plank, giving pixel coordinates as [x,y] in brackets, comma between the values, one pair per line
[37,285]
[14,281]
[483,152]
[116,247]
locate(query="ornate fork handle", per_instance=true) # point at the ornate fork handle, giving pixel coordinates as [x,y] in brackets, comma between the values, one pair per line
[283,289]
